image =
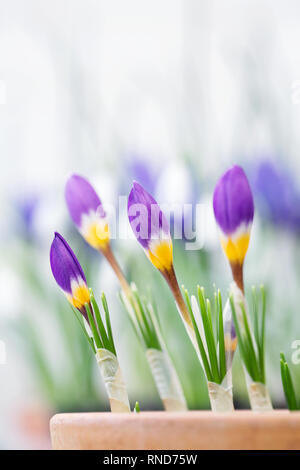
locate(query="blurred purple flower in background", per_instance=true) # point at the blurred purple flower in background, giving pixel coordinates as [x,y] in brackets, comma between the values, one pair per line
[178,185]
[140,169]
[278,198]
[172,183]
[143,169]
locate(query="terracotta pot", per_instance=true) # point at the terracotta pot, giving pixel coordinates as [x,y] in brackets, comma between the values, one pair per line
[187,430]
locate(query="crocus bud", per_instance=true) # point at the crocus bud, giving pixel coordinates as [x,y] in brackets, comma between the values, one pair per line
[150,227]
[152,231]
[87,212]
[234,211]
[68,273]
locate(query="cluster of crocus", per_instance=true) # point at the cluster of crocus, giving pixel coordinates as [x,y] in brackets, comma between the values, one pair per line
[70,277]
[215,346]
[90,218]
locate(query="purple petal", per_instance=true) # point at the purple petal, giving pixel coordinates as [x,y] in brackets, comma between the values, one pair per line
[145,216]
[81,198]
[233,200]
[64,264]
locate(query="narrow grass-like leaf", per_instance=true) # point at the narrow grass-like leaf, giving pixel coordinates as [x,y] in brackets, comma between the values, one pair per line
[140,324]
[199,340]
[155,311]
[150,339]
[290,386]
[262,333]
[108,324]
[216,308]
[96,336]
[99,323]
[242,345]
[149,319]
[250,345]
[287,384]
[137,407]
[257,334]
[255,316]
[222,355]
[80,320]
[134,324]
[155,338]
[210,341]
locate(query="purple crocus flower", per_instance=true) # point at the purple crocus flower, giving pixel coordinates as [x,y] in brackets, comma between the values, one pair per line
[234,211]
[150,227]
[152,231]
[68,273]
[87,212]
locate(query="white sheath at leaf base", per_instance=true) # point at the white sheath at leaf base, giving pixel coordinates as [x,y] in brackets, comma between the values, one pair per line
[113,380]
[166,380]
[220,396]
[258,395]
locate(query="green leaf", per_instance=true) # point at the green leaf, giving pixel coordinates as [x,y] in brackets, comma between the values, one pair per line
[241,344]
[80,320]
[287,384]
[99,324]
[210,341]
[137,407]
[93,327]
[250,346]
[216,308]
[138,333]
[199,340]
[262,334]
[222,355]
[255,315]
[149,337]
[155,339]
[108,324]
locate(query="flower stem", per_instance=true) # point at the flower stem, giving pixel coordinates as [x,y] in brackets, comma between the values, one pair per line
[171,279]
[237,274]
[107,252]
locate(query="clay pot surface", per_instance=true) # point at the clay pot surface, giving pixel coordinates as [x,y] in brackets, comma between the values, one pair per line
[159,430]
